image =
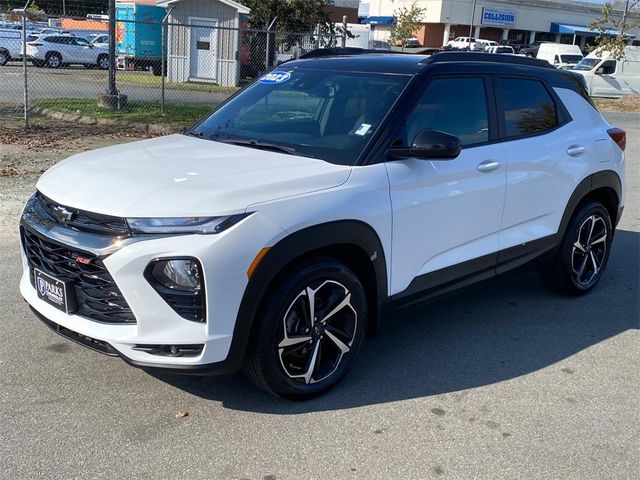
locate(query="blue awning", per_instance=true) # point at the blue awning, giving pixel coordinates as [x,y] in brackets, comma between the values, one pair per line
[379,20]
[579,29]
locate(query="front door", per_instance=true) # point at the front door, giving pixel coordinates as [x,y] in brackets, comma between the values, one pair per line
[204,39]
[447,212]
[605,82]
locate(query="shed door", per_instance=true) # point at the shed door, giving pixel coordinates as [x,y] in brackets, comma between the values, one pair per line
[204,47]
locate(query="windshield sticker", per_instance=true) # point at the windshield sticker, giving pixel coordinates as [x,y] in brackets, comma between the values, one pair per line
[363,129]
[275,77]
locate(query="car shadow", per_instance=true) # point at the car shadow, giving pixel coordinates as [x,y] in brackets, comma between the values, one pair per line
[495,331]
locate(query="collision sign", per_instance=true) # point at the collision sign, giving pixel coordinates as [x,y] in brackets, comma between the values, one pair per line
[492,16]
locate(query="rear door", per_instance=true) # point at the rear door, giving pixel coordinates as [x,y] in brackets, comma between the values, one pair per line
[540,148]
[447,212]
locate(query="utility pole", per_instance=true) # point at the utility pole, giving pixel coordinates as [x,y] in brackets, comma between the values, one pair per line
[112,98]
[473,16]
[111,86]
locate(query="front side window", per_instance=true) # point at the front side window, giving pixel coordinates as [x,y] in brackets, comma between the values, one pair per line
[457,106]
[527,107]
[329,115]
[608,67]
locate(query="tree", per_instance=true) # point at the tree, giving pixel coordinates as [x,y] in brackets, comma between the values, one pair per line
[620,15]
[35,13]
[407,20]
[293,15]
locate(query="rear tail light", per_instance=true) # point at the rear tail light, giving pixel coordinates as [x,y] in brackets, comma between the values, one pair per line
[619,136]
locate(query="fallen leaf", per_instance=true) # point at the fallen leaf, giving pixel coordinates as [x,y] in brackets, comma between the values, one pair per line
[182,413]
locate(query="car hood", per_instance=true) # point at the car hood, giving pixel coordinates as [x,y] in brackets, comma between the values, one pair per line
[178,175]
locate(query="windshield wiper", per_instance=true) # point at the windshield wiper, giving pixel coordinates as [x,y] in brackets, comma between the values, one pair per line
[259,145]
[193,133]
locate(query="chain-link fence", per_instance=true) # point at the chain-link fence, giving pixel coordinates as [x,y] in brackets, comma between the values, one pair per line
[173,66]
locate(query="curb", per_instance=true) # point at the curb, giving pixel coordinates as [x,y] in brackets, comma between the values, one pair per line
[87,120]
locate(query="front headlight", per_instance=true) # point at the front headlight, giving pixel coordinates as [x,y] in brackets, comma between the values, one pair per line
[181,225]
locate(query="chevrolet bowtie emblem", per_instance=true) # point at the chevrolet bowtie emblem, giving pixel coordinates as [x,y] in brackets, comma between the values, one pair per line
[62,214]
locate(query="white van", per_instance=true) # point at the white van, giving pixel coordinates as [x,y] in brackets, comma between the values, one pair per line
[10,45]
[560,55]
[607,77]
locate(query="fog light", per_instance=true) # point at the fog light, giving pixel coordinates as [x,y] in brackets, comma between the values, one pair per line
[182,274]
[179,281]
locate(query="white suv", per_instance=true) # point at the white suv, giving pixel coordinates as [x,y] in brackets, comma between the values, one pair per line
[275,233]
[54,51]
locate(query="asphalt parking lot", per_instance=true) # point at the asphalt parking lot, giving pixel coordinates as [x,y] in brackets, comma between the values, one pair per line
[78,82]
[502,381]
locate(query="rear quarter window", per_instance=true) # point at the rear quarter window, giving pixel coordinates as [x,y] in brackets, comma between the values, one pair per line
[526,107]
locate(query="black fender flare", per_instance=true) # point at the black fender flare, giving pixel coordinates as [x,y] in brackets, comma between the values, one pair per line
[297,244]
[603,179]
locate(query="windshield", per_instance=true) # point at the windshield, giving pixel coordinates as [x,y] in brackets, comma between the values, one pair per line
[587,63]
[314,113]
[570,58]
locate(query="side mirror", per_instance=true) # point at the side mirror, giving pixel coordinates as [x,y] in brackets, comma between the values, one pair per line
[429,144]
[600,71]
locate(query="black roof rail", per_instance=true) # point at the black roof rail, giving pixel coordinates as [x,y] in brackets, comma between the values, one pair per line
[444,56]
[337,51]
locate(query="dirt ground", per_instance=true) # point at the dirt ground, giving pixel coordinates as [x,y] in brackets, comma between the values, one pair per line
[25,155]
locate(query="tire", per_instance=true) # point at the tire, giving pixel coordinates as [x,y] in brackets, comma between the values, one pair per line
[54,60]
[294,357]
[583,253]
[4,57]
[156,69]
[103,62]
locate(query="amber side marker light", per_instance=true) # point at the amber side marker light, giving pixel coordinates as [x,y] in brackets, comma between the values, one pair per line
[619,136]
[257,260]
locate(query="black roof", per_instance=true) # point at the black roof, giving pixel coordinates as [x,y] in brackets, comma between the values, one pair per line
[439,63]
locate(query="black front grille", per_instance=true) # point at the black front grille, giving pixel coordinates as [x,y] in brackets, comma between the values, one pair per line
[83,221]
[96,294]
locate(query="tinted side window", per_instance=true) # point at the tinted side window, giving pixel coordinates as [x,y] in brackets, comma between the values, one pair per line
[453,105]
[527,107]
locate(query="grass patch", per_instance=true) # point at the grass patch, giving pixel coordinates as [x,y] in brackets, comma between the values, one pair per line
[156,82]
[176,114]
[628,103]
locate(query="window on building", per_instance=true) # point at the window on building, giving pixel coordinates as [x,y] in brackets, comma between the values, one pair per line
[527,107]
[457,106]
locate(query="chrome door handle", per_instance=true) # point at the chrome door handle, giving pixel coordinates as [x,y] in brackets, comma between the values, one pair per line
[575,150]
[488,165]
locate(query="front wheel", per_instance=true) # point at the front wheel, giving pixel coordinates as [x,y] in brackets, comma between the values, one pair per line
[4,57]
[308,334]
[584,252]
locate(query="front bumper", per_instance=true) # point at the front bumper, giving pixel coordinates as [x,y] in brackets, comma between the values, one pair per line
[225,258]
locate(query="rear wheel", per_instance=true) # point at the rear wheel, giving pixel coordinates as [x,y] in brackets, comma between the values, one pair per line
[309,331]
[4,57]
[584,252]
[54,60]
[103,62]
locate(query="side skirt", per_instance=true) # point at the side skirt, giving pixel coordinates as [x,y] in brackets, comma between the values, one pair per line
[446,280]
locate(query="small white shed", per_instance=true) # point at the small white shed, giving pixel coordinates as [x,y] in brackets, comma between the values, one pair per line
[203,40]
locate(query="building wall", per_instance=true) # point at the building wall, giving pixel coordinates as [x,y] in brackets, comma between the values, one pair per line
[336,14]
[531,16]
[75,24]
[226,38]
